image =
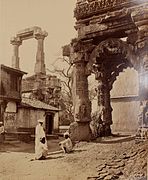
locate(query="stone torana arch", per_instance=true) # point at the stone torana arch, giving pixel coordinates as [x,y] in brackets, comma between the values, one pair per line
[101,26]
[107,60]
[16,41]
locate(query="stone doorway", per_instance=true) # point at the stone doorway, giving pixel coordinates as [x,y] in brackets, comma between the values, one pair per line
[49,124]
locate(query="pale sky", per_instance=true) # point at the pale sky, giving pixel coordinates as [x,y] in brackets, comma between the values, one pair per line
[53,16]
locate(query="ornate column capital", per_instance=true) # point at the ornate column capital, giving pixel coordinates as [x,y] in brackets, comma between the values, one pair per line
[15,41]
[39,34]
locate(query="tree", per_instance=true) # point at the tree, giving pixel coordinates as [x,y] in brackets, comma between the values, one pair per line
[62,68]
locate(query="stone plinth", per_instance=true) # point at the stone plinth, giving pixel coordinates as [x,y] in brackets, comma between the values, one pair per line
[80,131]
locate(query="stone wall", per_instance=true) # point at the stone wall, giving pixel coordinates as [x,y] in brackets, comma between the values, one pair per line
[10,84]
[10,121]
[125,102]
[28,117]
[127,84]
[125,115]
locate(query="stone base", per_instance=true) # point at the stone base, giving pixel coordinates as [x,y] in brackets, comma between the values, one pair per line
[80,131]
[107,130]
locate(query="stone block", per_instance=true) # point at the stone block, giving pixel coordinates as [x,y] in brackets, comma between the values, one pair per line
[80,131]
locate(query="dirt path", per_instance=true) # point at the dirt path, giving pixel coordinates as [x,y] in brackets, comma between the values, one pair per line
[86,161]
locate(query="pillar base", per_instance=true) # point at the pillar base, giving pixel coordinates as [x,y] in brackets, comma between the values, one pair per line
[80,131]
[107,130]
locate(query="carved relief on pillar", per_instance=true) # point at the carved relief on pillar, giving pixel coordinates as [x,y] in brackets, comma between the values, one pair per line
[82,105]
[103,93]
[81,102]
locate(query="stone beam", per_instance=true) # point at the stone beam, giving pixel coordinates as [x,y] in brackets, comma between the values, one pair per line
[28,33]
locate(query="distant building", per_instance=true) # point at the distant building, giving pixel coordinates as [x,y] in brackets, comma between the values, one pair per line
[28,112]
[10,89]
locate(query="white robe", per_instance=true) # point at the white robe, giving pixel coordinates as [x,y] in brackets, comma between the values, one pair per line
[67,143]
[39,134]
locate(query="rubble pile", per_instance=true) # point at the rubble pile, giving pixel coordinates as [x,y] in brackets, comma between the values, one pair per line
[128,164]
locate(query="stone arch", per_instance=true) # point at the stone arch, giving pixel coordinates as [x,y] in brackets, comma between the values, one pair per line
[33,32]
[107,60]
[113,46]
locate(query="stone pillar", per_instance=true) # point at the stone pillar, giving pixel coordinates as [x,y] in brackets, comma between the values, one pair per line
[80,129]
[40,64]
[16,42]
[103,93]
[141,46]
[140,18]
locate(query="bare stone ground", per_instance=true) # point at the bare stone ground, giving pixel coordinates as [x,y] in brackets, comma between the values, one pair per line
[94,160]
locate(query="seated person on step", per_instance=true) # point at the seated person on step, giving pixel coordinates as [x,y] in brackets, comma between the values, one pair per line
[66,144]
[42,150]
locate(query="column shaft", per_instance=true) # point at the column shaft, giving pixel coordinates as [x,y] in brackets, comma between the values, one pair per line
[16,42]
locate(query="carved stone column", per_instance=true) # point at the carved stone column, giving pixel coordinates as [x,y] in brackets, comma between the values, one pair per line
[140,18]
[16,42]
[80,129]
[103,91]
[40,64]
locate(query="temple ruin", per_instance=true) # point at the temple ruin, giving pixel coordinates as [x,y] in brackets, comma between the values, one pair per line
[112,35]
[40,85]
[39,35]
[36,96]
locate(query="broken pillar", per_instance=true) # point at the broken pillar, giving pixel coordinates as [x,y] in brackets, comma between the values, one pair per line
[16,42]
[40,63]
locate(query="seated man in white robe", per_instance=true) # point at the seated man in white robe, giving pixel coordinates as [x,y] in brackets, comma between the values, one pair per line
[66,144]
[42,150]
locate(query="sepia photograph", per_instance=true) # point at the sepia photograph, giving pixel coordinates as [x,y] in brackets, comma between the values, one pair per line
[73,89]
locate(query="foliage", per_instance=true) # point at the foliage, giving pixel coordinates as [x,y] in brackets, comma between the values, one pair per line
[62,68]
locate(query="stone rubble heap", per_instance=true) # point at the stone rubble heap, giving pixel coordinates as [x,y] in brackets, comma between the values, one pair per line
[130,164]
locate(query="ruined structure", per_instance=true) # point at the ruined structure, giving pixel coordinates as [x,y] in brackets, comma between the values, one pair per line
[112,35]
[10,89]
[39,35]
[20,113]
[40,86]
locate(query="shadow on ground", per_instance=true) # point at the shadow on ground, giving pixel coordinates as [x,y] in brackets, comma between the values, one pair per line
[53,145]
[115,138]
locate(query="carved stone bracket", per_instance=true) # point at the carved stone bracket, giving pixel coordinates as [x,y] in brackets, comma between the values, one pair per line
[140,18]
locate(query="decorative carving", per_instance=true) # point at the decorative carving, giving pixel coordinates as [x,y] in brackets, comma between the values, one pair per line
[89,7]
[97,20]
[16,41]
[39,34]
